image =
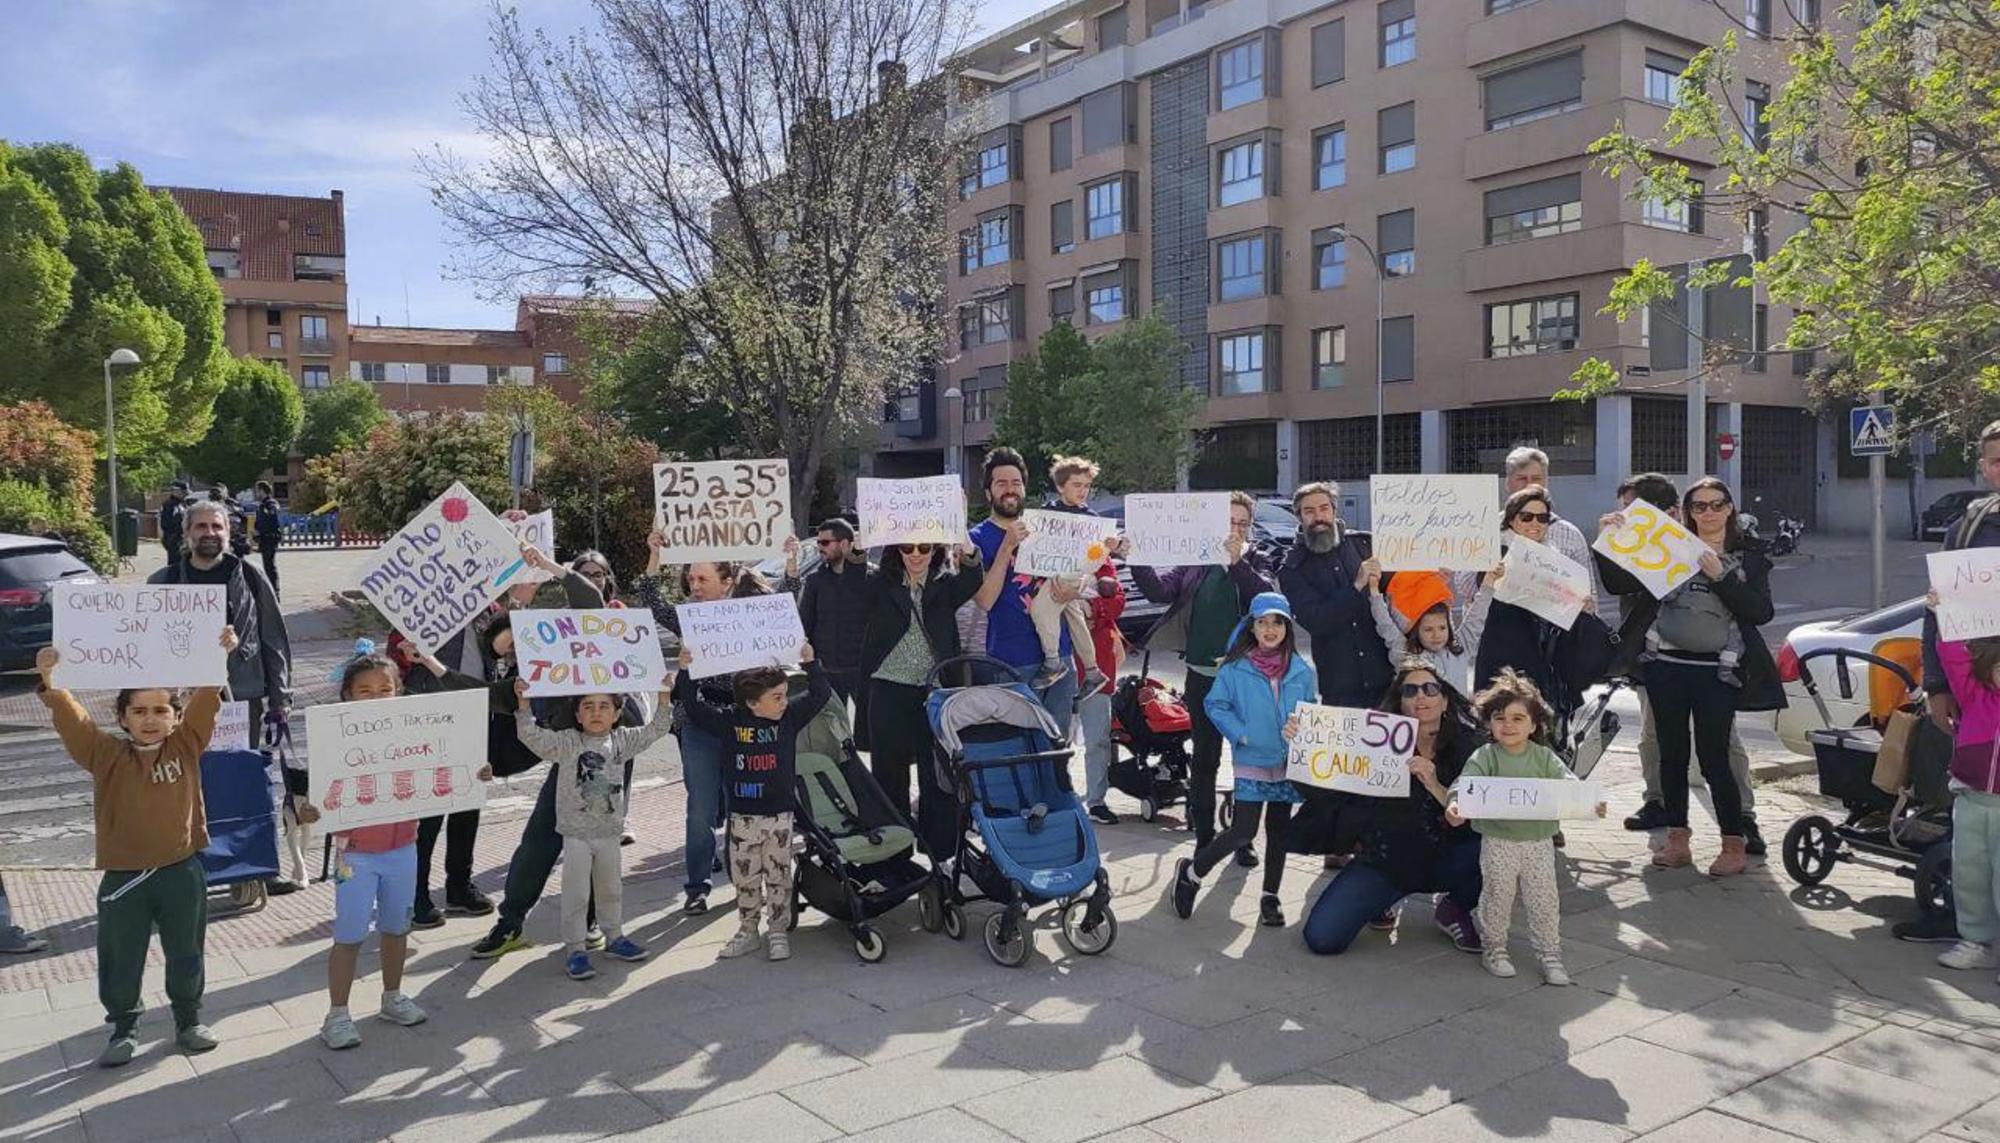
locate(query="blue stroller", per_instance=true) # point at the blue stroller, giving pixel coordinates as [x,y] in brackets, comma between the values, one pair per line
[1024,839]
[242,827]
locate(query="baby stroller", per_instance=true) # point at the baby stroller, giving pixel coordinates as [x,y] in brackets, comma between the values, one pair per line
[1150,721]
[1907,832]
[860,850]
[1024,839]
[1589,731]
[242,827]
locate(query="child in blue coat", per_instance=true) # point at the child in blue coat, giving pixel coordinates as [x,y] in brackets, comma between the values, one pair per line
[1261,680]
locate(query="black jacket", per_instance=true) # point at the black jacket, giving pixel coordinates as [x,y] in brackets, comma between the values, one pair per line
[889,610]
[261,666]
[1347,652]
[1562,664]
[270,521]
[1747,594]
[172,526]
[834,608]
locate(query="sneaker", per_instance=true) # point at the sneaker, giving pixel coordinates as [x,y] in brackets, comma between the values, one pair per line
[1499,964]
[498,943]
[1559,839]
[625,839]
[1753,841]
[119,1051]
[1652,815]
[1386,923]
[1052,672]
[403,1011]
[1942,929]
[1269,913]
[467,900]
[196,1039]
[14,939]
[1969,954]
[426,916]
[1102,813]
[579,967]
[697,903]
[781,947]
[593,939]
[626,949]
[1456,922]
[1186,885]
[745,942]
[1553,972]
[1093,681]
[1246,857]
[282,887]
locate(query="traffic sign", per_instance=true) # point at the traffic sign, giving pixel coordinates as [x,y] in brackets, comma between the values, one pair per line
[1725,445]
[1871,429]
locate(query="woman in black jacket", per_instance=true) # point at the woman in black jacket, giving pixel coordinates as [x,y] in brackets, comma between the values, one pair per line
[1562,664]
[912,604]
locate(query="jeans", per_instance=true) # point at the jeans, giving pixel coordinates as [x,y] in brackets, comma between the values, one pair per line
[460,831]
[534,859]
[1207,759]
[1682,694]
[1362,893]
[1094,713]
[1649,760]
[702,757]
[1975,852]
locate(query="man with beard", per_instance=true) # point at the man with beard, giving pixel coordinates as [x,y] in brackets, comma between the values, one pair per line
[1322,578]
[1010,630]
[833,607]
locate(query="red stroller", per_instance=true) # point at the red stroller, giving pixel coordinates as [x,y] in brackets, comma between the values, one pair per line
[1150,723]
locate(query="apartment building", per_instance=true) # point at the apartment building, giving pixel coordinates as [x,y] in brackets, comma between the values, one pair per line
[1244,166]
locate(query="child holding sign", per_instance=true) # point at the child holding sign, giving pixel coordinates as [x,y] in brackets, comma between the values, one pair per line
[1516,856]
[151,829]
[1973,670]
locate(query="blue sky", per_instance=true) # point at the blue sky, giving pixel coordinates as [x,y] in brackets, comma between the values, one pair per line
[288,98]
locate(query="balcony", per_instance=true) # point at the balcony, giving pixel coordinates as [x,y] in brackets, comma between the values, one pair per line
[316,346]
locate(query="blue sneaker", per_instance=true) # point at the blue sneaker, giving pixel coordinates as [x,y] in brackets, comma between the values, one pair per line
[579,966]
[625,948]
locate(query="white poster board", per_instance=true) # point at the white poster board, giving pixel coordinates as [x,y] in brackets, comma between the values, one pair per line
[1527,799]
[732,635]
[922,510]
[1967,583]
[1356,751]
[1653,547]
[605,650]
[443,568]
[722,509]
[396,760]
[1063,543]
[1435,523]
[539,532]
[232,727]
[1177,529]
[116,635]
[1544,581]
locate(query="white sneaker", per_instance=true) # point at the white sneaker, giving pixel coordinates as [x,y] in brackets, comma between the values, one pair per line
[403,1010]
[1499,964]
[339,1032]
[1969,954]
[781,947]
[745,942]
[1554,973]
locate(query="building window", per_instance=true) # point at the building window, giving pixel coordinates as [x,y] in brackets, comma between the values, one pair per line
[1396,132]
[1329,52]
[993,166]
[1330,158]
[1757,234]
[1399,348]
[993,321]
[435,374]
[315,376]
[1663,77]
[1330,357]
[1240,268]
[1756,98]
[981,404]
[274,339]
[374,372]
[1808,11]
[1104,299]
[1059,144]
[993,242]
[1240,364]
[1537,325]
[968,326]
[1062,226]
[274,317]
[1398,21]
[1396,238]
[498,375]
[1760,334]
[555,363]
[1329,259]
[1757,17]
[1062,304]
[1104,208]
[1684,216]
[1495,7]
[1240,74]
[1534,210]
[312,326]
[1537,91]
[1242,173]
[1479,437]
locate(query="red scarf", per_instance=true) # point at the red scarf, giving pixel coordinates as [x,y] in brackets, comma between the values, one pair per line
[1271,663]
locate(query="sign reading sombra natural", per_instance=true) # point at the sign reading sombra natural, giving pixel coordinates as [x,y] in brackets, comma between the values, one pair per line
[599,651]
[442,569]
[722,509]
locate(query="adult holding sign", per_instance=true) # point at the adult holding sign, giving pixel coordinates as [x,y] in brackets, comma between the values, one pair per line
[1008,595]
[114,636]
[1562,663]
[1323,577]
[722,509]
[1178,529]
[1978,528]
[260,668]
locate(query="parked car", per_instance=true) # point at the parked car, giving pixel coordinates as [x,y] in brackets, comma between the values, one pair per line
[29,567]
[1945,511]
[1860,633]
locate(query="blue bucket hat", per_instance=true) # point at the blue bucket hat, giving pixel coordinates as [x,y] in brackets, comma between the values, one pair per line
[1265,603]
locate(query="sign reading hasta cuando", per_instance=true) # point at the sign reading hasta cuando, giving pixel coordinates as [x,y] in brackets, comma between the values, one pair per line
[921,510]
[396,760]
[442,569]
[604,650]
[1356,751]
[1177,529]
[112,636]
[1435,523]
[722,509]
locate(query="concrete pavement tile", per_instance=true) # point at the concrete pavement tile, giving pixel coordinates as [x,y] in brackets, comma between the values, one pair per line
[1834,1102]
[1078,1105]
[714,1079]
[1654,984]
[1980,1125]
[216,1099]
[1256,1049]
[33,1002]
[1073,1039]
[886,1092]
[68,1130]
[1547,1019]
[406,1101]
[783,1015]
[1754,1034]
[1044,990]
[903,1032]
[526,1074]
[487,1050]
[603,1112]
[1383,1000]
[1462,1123]
[1226,993]
[1925,1059]
[1433,1067]
[1709,1125]
[1302,1108]
[1629,1084]
[947,1124]
[758,1120]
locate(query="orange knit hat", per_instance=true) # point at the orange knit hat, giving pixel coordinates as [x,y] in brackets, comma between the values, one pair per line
[1412,593]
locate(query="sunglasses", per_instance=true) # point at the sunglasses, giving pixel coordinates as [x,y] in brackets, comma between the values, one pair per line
[1428,690]
[914,549]
[1536,517]
[1708,505]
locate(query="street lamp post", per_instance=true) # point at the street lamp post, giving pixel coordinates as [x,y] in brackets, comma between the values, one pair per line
[1381,442]
[118,357]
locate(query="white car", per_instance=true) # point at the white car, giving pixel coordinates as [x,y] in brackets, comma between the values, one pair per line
[1861,633]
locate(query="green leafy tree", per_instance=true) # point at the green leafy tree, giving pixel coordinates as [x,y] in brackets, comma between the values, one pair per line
[405,464]
[654,381]
[91,261]
[339,417]
[47,477]
[257,417]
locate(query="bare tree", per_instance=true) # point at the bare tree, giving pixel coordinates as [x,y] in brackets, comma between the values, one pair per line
[762,169]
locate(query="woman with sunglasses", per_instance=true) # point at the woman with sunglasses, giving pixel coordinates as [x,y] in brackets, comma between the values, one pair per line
[1562,664]
[912,606]
[1405,845]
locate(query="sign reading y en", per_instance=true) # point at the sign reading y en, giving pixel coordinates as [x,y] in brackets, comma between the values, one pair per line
[1357,751]
[722,509]
[607,650]
[1435,523]
[1527,799]
[396,760]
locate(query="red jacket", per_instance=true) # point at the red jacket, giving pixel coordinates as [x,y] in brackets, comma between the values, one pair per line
[1104,614]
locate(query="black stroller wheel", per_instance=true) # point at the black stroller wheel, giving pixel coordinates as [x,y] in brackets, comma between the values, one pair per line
[1225,810]
[1932,882]
[930,908]
[1011,951]
[1148,810]
[1087,941]
[248,897]
[869,945]
[1811,850]
[954,921]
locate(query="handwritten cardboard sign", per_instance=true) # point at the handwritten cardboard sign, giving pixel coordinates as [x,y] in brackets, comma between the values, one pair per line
[1177,529]
[731,635]
[1435,523]
[442,569]
[1527,799]
[396,760]
[1357,751]
[1968,586]
[1653,547]
[723,509]
[923,510]
[606,650]
[539,532]
[1544,581]
[112,636]
[232,727]
[1062,543]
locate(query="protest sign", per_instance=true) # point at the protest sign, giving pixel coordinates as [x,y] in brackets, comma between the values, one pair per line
[232,727]
[539,532]
[1435,523]
[442,569]
[395,760]
[1063,543]
[1967,583]
[111,636]
[1177,529]
[1357,751]
[731,635]
[1527,799]
[1544,581]
[1654,547]
[722,509]
[606,650]
[923,510]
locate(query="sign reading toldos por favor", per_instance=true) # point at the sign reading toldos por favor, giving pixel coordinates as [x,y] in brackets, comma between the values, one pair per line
[1177,529]
[1967,583]
[1527,799]
[1435,523]
[1544,581]
[396,760]
[1652,546]
[111,636]
[442,569]
[922,510]
[1356,751]
[731,635]
[723,509]
[606,650]
[1063,543]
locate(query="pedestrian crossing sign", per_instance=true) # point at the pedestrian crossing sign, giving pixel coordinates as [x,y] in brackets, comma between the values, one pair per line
[1871,429]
